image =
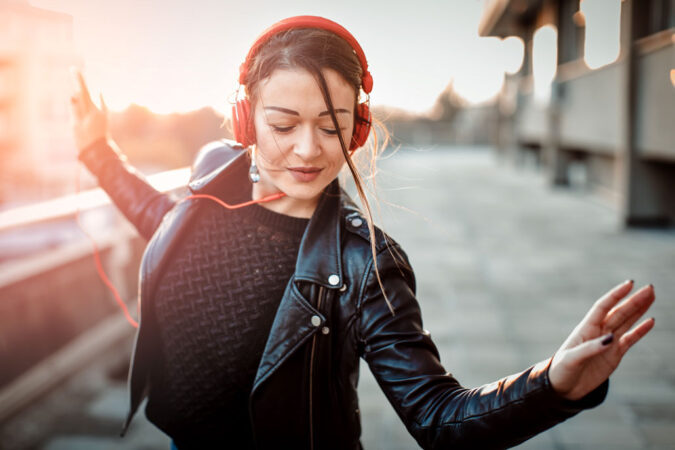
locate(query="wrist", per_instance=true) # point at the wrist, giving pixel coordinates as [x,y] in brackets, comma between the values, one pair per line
[555,381]
[99,153]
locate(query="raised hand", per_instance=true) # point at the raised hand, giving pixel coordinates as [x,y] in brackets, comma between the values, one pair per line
[89,122]
[595,347]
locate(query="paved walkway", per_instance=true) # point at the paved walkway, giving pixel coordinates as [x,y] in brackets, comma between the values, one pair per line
[506,267]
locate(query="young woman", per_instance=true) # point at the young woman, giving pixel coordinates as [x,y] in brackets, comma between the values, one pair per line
[253,320]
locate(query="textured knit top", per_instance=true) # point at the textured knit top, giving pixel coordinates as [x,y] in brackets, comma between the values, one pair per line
[214,308]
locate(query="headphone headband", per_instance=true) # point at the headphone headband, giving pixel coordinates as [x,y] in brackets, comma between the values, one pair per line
[310,22]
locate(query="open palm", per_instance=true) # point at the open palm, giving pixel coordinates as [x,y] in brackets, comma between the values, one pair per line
[595,347]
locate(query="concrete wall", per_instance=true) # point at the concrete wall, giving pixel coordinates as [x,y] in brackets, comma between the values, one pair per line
[48,300]
[656,104]
[590,110]
[532,120]
[584,125]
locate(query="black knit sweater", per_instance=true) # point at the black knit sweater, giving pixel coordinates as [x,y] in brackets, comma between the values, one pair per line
[214,308]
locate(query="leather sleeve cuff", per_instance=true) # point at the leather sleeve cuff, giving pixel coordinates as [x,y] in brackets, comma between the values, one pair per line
[99,154]
[590,400]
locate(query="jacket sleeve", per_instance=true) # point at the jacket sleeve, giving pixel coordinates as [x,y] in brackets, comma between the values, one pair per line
[435,408]
[140,203]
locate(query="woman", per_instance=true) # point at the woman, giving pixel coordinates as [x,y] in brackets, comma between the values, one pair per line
[253,320]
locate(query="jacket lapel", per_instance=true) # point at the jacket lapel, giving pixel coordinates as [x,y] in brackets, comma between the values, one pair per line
[318,262]
[319,256]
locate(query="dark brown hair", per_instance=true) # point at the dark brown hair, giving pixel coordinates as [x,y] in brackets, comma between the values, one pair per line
[314,50]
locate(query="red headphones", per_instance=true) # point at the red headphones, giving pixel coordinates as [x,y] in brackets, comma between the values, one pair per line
[242,123]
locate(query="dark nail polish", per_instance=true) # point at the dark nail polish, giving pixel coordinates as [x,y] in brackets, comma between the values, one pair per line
[608,340]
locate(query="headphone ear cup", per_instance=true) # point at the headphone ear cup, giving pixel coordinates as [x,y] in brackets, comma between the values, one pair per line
[361,127]
[241,123]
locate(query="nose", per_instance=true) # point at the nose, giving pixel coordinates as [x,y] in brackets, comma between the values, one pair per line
[307,145]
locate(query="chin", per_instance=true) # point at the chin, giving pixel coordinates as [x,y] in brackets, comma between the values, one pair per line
[303,191]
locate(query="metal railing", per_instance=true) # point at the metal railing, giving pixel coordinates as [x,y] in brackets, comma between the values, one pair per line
[33,283]
[68,205]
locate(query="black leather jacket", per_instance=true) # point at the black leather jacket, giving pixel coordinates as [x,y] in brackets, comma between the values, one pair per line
[332,314]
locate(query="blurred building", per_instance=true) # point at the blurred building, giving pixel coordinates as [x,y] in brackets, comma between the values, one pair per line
[609,123]
[36,147]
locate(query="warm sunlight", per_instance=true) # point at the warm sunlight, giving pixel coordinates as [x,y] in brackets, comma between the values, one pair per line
[171,64]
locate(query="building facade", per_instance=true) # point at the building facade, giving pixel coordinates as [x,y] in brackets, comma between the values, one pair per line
[615,122]
[37,153]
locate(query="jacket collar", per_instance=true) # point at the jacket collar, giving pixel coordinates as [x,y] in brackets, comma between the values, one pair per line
[224,173]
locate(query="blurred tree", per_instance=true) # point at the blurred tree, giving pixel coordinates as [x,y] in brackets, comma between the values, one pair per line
[447,104]
[157,142]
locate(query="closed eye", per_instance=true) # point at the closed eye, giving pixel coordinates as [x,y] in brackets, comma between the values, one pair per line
[281,129]
[331,131]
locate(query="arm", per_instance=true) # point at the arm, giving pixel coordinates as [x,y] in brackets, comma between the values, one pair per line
[142,204]
[435,408]
[136,199]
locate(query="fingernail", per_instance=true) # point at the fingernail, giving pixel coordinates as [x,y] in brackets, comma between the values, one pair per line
[608,339]
[628,282]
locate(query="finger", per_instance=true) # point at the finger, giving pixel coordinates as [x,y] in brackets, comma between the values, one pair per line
[629,339]
[84,90]
[601,307]
[582,352]
[640,301]
[76,108]
[627,324]
[630,320]
[104,107]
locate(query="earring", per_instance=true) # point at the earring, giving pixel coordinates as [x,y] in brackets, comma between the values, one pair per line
[253,173]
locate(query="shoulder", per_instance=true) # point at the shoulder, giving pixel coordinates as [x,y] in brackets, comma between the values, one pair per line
[213,156]
[357,245]
[356,225]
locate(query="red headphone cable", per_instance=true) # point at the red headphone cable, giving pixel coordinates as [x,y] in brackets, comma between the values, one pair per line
[97,258]
[96,254]
[269,198]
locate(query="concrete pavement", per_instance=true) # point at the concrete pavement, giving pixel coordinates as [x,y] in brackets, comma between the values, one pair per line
[506,267]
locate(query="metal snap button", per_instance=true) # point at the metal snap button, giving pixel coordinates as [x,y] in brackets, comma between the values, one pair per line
[333,280]
[325,330]
[357,222]
[343,288]
[316,321]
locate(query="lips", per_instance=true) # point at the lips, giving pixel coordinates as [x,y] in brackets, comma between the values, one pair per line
[304,174]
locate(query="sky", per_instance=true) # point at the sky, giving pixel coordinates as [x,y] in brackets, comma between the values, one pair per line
[179,55]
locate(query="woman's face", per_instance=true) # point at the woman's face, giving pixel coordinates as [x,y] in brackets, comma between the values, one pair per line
[297,148]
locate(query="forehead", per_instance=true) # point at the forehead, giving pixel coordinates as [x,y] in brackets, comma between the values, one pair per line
[298,89]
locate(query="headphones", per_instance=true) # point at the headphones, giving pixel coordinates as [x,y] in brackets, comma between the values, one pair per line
[242,123]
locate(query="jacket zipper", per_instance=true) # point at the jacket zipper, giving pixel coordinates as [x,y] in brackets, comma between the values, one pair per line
[311,373]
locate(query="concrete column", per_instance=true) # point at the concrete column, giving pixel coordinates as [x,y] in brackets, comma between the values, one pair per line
[639,181]
[556,161]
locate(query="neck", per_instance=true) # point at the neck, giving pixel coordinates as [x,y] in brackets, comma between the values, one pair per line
[286,205]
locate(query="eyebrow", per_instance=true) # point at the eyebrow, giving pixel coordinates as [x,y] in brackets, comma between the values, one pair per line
[295,113]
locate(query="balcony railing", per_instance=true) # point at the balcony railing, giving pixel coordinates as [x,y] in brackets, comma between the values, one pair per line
[55,313]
